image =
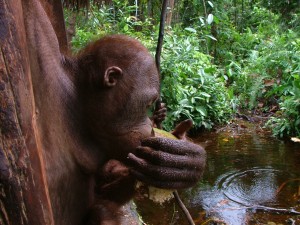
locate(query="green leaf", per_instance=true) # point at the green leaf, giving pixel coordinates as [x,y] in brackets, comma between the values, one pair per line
[126,27]
[216,19]
[206,125]
[190,29]
[210,3]
[202,21]
[184,102]
[211,37]
[205,94]
[229,72]
[201,110]
[209,70]
[296,84]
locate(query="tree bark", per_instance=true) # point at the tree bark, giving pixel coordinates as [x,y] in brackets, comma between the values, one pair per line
[24,199]
[170,12]
[150,8]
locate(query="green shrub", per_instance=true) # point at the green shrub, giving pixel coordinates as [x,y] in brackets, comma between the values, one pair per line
[191,87]
[236,58]
[104,20]
[287,121]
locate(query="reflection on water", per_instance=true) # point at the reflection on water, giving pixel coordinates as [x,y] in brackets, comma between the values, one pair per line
[251,187]
[237,196]
[251,178]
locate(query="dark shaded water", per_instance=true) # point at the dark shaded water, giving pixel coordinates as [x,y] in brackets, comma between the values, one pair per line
[250,178]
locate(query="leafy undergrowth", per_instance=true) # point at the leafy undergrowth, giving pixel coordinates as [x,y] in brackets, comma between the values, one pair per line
[215,63]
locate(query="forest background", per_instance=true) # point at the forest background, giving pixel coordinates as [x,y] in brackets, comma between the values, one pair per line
[220,58]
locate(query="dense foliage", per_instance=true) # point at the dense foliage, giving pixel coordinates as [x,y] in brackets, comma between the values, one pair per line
[191,85]
[219,57]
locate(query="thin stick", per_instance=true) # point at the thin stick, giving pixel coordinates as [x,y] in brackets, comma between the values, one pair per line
[183,208]
[284,183]
[161,34]
[158,102]
[158,50]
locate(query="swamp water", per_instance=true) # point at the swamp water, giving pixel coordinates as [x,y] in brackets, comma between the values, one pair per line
[250,178]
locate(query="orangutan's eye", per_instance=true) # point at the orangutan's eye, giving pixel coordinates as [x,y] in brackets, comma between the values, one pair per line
[150,109]
[151,105]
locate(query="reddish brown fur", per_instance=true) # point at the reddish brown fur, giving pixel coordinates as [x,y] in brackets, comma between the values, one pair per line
[92,122]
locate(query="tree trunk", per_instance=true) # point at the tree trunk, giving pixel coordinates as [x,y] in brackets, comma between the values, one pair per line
[150,8]
[242,18]
[204,9]
[24,199]
[235,13]
[169,12]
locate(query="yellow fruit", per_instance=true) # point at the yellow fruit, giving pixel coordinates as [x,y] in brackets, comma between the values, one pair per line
[155,194]
[162,133]
[159,195]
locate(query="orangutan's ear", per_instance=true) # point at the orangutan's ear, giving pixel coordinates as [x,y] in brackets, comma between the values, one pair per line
[112,75]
